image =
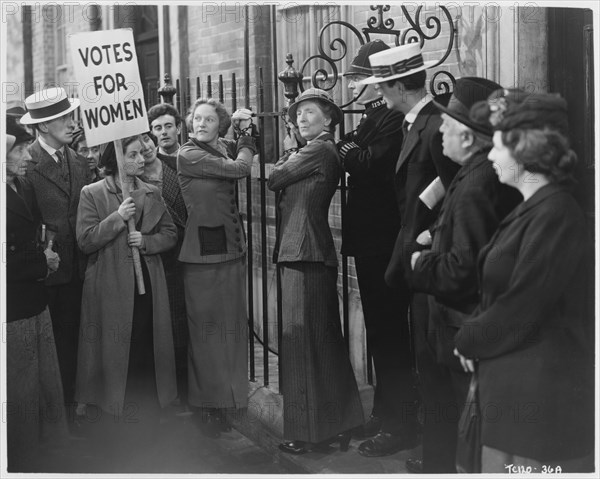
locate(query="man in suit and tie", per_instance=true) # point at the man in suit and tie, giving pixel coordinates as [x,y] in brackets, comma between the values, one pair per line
[57,175]
[399,74]
[371,224]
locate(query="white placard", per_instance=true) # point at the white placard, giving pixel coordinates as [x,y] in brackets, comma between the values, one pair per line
[108,81]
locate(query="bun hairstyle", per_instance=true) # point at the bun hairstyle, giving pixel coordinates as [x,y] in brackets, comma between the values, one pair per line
[534,128]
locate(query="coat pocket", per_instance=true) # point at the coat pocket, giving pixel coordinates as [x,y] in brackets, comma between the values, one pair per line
[213,240]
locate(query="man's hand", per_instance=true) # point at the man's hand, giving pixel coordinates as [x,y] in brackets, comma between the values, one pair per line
[467,364]
[424,238]
[52,260]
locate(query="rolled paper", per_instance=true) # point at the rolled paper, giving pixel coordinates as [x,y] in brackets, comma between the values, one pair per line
[432,195]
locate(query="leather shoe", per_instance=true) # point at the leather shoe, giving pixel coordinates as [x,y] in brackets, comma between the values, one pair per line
[386,444]
[414,465]
[295,447]
[369,429]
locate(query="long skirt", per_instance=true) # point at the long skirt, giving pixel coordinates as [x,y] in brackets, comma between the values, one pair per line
[215,298]
[35,410]
[320,395]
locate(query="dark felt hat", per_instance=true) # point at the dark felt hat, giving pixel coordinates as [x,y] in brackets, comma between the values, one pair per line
[15,129]
[467,92]
[360,64]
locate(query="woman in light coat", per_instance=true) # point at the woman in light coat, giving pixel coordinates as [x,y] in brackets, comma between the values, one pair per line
[126,363]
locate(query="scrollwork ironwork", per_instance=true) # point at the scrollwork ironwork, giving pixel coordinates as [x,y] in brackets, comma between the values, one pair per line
[326,75]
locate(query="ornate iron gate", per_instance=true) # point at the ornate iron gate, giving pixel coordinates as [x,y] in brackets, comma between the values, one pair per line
[258,221]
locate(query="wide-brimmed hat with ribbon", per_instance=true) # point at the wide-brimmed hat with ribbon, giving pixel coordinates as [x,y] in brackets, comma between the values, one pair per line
[467,92]
[48,104]
[318,95]
[397,62]
[360,63]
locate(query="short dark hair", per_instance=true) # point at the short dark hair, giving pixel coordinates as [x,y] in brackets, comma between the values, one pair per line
[108,159]
[415,81]
[544,151]
[163,109]
[222,113]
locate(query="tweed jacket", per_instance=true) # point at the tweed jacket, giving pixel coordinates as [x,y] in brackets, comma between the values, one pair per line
[473,206]
[214,231]
[171,191]
[58,203]
[306,182]
[26,265]
[109,292]
[421,161]
[533,331]
[372,220]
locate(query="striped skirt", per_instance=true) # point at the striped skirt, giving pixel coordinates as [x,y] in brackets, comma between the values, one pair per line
[320,394]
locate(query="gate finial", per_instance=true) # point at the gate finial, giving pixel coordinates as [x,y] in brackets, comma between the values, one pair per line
[167,91]
[291,80]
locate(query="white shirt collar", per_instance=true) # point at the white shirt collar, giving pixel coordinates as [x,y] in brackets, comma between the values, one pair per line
[51,151]
[411,116]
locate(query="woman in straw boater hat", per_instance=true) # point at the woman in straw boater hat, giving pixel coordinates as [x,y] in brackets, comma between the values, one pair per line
[34,397]
[321,400]
[532,335]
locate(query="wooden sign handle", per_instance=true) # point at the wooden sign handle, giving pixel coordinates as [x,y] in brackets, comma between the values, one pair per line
[127,185]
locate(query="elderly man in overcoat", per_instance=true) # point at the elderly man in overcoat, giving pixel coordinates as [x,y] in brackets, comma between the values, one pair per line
[58,174]
[473,206]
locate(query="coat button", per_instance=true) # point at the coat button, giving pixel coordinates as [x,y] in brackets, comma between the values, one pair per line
[237,230]
[234,220]
[238,239]
[232,210]
[13,248]
[241,249]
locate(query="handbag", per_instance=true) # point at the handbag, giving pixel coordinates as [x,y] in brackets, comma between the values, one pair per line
[468,447]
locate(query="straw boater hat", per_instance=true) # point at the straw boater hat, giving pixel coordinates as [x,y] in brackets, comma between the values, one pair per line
[360,64]
[397,62]
[48,104]
[320,96]
[467,92]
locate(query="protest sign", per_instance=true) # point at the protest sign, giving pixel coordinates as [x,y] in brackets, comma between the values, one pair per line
[112,101]
[109,86]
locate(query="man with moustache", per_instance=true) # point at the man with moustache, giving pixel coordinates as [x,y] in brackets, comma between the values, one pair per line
[371,224]
[57,175]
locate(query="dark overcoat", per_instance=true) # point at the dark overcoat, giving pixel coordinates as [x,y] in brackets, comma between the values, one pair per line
[421,161]
[533,332]
[109,288]
[473,206]
[58,203]
[26,266]
[372,220]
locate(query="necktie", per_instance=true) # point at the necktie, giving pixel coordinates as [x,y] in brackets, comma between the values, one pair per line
[64,168]
[405,128]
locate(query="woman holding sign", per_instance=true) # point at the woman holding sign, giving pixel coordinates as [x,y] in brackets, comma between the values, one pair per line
[214,273]
[126,363]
